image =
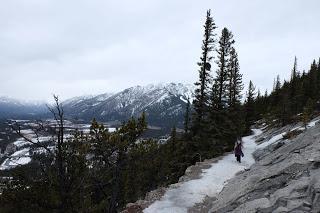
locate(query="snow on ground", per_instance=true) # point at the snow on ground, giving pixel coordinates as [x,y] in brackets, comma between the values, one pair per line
[184,195]
[20,157]
[19,121]
[20,161]
[45,138]
[20,153]
[271,141]
[298,128]
[313,123]
[21,142]
[187,194]
[27,132]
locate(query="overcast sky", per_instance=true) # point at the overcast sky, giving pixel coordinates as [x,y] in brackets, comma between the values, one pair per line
[77,47]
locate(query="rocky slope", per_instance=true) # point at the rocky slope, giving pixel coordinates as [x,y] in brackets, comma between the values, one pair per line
[285,178]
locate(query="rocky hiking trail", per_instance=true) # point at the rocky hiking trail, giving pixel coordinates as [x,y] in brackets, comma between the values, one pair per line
[258,184]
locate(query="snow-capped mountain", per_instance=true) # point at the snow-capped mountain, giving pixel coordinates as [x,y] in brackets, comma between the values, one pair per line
[11,108]
[163,103]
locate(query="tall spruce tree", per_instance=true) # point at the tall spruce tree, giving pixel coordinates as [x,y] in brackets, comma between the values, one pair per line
[278,83]
[235,85]
[313,89]
[284,111]
[200,102]
[294,71]
[294,87]
[307,112]
[234,90]
[276,92]
[249,107]
[221,80]
[187,118]
[225,121]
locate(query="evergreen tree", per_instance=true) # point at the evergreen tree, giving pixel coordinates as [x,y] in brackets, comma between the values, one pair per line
[276,93]
[249,107]
[235,85]
[200,102]
[173,134]
[293,87]
[259,105]
[221,80]
[258,94]
[110,159]
[307,112]
[187,117]
[278,83]
[288,100]
[313,75]
[294,72]
[56,178]
[222,128]
[285,109]
[234,89]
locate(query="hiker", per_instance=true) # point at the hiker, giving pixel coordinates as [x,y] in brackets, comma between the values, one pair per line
[238,150]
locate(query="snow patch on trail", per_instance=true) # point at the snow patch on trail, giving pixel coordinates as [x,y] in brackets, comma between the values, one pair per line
[280,136]
[313,123]
[272,140]
[184,195]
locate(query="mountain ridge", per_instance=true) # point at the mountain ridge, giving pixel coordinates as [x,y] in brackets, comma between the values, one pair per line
[14,108]
[163,103]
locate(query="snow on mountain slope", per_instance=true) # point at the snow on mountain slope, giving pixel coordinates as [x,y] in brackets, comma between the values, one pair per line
[162,103]
[76,100]
[10,107]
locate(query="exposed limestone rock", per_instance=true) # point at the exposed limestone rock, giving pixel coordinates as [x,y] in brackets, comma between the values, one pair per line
[285,178]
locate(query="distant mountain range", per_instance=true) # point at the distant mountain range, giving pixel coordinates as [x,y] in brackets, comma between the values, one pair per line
[164,105]
[12,108]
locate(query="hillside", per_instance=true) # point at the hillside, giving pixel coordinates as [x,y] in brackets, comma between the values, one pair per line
[284,177]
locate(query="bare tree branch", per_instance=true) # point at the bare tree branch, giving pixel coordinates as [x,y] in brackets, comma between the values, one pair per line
[17,128]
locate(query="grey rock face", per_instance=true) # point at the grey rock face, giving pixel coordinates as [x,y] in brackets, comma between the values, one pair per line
[285,178]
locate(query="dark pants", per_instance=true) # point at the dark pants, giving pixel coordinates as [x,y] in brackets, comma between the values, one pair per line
[238,158]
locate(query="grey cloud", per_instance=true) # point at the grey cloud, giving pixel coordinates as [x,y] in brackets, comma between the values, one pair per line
[80,47]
